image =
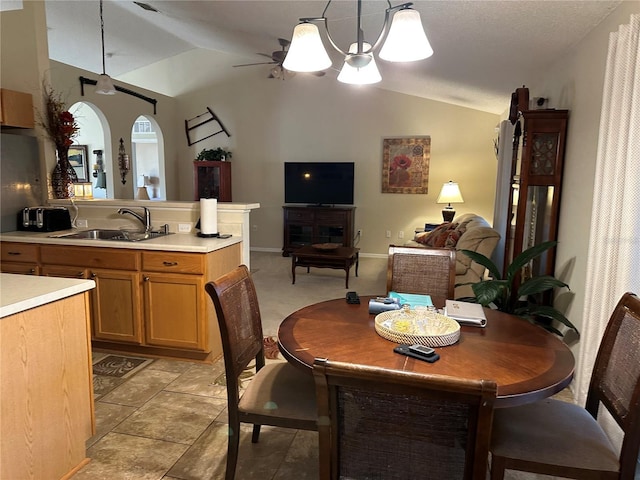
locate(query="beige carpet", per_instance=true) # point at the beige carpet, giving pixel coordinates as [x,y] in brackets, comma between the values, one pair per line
[271,273]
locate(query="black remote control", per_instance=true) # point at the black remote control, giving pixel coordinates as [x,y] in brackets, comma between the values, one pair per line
[352,297]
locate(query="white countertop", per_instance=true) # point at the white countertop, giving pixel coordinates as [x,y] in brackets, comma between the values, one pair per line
[22,292]
[177,242]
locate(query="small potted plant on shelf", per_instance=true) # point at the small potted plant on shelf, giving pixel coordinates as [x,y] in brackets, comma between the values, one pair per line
[501,293]
[211,155]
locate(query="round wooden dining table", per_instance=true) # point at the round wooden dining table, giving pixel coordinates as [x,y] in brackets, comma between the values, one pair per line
[527,362]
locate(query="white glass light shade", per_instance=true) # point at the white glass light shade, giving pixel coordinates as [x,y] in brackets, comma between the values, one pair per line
[450,193]
[306,52]
[360,76]
[406,41]
[105,85]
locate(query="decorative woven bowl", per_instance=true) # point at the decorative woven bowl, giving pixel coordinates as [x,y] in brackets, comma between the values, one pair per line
[422,326]
[325,246]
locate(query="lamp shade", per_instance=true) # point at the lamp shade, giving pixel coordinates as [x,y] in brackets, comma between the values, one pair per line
[105,85]
[360,76]
[450,193]
[306,52]
[407,41]
[101,182]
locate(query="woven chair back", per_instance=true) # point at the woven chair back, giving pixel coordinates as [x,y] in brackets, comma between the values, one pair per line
[615,381]
[381,424]
[236,302]
[427,271]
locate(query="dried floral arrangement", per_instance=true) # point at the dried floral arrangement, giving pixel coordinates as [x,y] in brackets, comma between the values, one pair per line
[57,120]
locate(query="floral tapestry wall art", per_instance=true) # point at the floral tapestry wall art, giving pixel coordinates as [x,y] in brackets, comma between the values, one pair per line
[405,164]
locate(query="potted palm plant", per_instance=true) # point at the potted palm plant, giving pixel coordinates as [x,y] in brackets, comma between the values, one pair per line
[523,299]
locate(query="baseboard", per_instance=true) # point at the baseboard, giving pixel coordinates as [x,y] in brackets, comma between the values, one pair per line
[279,250]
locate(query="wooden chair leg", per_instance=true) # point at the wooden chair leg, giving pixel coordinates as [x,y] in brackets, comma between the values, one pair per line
[232,451]
[497,468]
[256,434]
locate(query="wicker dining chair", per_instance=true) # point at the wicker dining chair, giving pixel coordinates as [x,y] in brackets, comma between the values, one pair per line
[552,437]
[279,394]
[427,271]
[392,425]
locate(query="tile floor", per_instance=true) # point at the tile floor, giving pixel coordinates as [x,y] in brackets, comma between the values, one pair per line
[169,421]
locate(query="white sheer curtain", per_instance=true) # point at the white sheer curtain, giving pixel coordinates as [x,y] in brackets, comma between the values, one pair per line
[614,247]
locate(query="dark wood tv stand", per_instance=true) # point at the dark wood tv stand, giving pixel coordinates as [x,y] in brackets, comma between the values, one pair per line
[310,225]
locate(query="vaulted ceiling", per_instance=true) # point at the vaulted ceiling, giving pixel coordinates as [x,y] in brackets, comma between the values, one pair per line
[483,49]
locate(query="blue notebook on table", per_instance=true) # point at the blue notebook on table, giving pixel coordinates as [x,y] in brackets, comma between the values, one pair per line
[412,299]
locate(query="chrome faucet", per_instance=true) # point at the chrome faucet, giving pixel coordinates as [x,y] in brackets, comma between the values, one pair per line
[146,220]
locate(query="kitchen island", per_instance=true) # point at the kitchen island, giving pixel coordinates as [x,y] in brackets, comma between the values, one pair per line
[46,394]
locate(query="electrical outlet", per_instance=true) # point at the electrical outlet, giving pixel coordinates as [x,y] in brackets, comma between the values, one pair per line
[82,223]
[184,227]
[388,234]
[254,228]
[401,234]
[359,232]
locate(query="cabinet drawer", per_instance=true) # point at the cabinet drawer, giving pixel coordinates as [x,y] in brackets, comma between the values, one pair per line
[19,252]
[173,262]
[20,268]
[331,217]
[88,257]
[299,216]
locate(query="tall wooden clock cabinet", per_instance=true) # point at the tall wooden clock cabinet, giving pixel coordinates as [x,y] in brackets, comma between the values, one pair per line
[536,183]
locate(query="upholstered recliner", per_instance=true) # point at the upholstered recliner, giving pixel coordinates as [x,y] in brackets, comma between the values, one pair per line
[466,232]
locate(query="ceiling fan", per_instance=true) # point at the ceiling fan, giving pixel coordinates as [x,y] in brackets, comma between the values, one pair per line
[277,58]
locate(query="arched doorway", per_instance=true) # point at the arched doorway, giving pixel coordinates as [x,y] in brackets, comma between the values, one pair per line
[148,159]
[94,135]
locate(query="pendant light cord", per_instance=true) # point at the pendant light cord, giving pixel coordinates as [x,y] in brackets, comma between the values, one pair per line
[104,71]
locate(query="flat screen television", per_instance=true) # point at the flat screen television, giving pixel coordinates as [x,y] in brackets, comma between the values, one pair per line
[319,183]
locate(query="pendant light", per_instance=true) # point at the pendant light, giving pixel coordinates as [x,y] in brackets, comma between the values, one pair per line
[105,84]
[402,37]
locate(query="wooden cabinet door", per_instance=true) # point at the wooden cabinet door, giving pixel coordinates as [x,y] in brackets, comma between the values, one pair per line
[174,311]
[116,303]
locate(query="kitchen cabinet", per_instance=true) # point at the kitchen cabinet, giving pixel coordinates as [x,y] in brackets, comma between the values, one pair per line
[16,109]
[145,301]
[212,180]
[309,225]
[174,290]
[20,258]
[116,300]
[178,313]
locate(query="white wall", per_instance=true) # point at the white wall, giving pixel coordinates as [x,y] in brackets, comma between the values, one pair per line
[121,111]
[307,118]
[575,82]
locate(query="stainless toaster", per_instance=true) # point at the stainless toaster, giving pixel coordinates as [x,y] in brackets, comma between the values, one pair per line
[44,219]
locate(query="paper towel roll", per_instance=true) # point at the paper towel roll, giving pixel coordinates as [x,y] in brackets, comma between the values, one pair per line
[209,216]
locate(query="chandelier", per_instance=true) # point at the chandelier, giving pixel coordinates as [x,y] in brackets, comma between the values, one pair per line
[403,40]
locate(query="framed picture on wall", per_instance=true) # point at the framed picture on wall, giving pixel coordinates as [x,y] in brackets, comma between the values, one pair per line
[405,164]
[79,162]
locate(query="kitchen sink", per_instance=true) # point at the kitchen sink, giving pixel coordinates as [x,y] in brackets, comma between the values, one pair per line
[116,235]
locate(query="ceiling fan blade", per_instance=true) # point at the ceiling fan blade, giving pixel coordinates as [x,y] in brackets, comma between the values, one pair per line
[252,64]
[265,55]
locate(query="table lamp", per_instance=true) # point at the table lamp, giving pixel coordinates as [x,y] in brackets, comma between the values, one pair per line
[449,194]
